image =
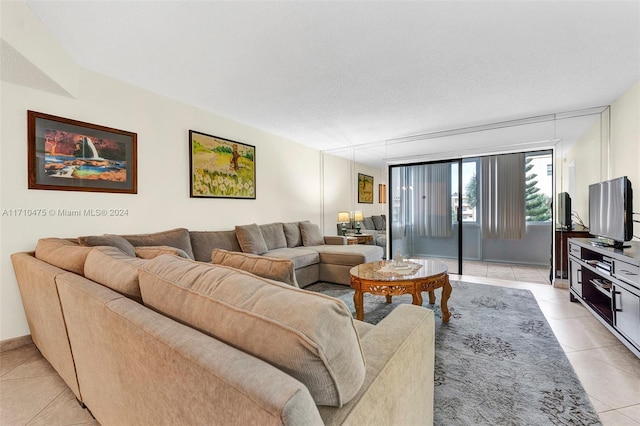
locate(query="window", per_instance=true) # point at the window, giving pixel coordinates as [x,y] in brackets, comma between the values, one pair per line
[538,185]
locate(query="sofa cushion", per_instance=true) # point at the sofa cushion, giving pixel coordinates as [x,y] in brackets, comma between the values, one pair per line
[62,253]
[292,234]
[262,266]
[349,255]
[149,252]
[300,256]
[111,267]
[178,238]
[250,239]
[367,223]
[203,243]
[108,240]
[311,235]
[273,234]
[378,223]
[308,335]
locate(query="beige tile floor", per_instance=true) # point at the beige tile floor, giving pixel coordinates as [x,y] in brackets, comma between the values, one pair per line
[31,392]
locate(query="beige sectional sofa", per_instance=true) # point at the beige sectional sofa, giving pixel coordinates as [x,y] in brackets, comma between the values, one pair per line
[144,334]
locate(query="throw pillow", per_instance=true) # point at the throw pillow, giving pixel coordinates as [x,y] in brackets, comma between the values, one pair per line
[310,336]
[149,252]
[311,235]
[262,266]
[108,240]
[178,238]
[251,239]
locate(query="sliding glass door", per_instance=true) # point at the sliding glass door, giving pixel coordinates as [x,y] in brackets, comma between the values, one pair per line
[426,210]
[490,209]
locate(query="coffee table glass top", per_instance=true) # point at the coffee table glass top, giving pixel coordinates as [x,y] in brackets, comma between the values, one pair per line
[383,270]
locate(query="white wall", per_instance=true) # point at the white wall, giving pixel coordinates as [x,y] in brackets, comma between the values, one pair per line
[340,189]
[288,174]
[625,142]
[600,156]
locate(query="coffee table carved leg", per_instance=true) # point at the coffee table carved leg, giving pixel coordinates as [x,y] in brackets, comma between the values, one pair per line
[432,297]
[417,297]
[358,303]
[388,298]
[446,292]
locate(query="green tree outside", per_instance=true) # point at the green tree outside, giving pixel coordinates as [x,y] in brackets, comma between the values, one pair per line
[537,205]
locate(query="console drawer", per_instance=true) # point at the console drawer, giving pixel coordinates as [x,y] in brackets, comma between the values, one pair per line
[575,250]
[626,272]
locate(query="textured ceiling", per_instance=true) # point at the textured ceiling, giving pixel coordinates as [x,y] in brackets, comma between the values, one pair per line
[335,74]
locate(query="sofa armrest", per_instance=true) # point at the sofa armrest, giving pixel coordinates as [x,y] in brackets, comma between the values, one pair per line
[335,240]
[399,385]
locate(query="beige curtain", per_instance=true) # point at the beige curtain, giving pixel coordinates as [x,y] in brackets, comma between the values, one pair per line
[432,200]
[502,197]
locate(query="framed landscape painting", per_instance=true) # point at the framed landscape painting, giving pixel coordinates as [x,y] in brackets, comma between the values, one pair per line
[221,168]
[365,189]
[70,155]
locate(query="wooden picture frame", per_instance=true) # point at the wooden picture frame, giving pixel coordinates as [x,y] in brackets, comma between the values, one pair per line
[365,189]
[221,168]
[70,155]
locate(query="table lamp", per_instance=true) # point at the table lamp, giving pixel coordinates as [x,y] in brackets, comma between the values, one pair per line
[358,217]
[343,218]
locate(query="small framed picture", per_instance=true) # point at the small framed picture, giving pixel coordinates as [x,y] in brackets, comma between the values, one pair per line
[71,155]
[221,168]
[365,189]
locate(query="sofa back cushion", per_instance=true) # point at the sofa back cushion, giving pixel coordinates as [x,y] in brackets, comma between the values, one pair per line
[251,239]
[203,243]
[262,266]
[273,234]
[108,240]
[112,268]
[311,235]
[178,238]
[62,253]
[292,234]
[378,223]
[309,336]
[367,223]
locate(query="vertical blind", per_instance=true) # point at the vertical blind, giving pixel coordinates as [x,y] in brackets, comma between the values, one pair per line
[432,200]
[502,193]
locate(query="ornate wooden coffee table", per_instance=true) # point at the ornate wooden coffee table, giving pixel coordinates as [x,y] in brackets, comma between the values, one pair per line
[382,279]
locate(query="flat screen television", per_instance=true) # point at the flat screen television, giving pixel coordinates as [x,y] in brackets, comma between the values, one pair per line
[611,210]
[564,211]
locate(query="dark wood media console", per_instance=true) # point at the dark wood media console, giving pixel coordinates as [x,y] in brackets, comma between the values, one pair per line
[562,248]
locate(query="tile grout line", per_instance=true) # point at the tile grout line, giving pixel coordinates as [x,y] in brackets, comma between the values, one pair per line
[45,407]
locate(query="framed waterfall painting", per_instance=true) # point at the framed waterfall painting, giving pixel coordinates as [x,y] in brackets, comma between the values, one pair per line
[365,188]
[71,155]
[221,168]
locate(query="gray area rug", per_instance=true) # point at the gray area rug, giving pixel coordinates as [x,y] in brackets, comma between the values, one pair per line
[497,360]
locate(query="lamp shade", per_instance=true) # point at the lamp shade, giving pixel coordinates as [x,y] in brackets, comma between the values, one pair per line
[358,216]
[343,217]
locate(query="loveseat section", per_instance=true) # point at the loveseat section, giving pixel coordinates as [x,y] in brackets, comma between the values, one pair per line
[399,382]
[186,377]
